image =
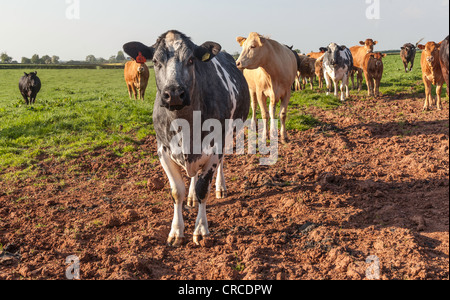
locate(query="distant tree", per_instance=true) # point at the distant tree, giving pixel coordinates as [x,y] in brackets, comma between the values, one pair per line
[55,59]
[35,59]
[120,56]
[298,51]
[46,60]
[90,59]
[112,59]
[26,60]
[5,58]
[101,60]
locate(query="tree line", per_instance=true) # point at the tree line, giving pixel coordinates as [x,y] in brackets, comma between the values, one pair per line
[53,60]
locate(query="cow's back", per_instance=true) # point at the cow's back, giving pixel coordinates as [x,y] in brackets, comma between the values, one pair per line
[278,72]
[358,56]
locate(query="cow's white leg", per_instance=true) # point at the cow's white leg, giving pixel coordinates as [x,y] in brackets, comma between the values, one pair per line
[342,91]
[335,87]
[262,100]
[346,83]
[221,188]
[283,116]
[202,190]
[173,171]
[328,82]
[273,117]
[192,199]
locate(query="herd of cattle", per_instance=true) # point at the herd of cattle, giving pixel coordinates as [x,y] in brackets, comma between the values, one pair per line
[192,78]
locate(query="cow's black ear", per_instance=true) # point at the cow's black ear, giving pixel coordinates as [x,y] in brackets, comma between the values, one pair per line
[25,73]
[134,48]
[207,51]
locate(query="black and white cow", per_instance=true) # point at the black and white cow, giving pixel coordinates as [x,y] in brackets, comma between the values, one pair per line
[408,55]
[337,66]
[194,84]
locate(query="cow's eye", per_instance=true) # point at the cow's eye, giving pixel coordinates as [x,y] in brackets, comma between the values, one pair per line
[190,61]
[156,64]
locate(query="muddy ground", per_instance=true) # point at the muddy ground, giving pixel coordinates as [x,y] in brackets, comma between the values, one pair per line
[372,180]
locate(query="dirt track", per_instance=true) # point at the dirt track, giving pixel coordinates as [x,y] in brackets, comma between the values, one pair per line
[373,180]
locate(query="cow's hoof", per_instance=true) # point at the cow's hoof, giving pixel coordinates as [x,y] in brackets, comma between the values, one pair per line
[202,241]
[191,203]
[175,242]
[221,194]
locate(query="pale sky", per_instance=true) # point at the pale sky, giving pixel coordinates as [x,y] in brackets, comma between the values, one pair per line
[54,27]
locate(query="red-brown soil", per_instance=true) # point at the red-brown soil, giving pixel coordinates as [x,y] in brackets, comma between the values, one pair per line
[373,179]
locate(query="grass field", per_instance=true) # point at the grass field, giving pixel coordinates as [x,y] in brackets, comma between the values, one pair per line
[78,111]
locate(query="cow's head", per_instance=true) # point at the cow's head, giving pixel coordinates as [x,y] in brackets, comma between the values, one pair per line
[31,79]
[252,51]
[140,61]
[334,53]
[175,58]
[368,45]
[377,57]
[431,52]
[409,49]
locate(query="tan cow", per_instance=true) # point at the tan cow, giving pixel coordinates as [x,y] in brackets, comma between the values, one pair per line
[317,55]
[373,70]
[270,69]
[359,54]
[319,72]
[136,76]
[431,73]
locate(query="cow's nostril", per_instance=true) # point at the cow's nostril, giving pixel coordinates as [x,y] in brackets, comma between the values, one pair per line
[166,96]
[182,95]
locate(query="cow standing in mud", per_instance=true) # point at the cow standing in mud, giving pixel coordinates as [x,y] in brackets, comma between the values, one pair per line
[270,69]
[337,66]
[431,73]
[192,81]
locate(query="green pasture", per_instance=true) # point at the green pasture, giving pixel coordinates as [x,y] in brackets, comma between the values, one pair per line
[79,110]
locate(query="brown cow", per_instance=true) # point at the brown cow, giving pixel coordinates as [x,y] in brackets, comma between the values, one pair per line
[136,77]
[270,69]
[373,70]
[444,57]
[317,55]
[307,71]
[431,73]
[319,72]
[359,54]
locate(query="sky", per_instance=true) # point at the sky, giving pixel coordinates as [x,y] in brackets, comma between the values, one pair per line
[74,29]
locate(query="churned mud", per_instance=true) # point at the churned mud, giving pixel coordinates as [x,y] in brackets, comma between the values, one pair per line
[371,181]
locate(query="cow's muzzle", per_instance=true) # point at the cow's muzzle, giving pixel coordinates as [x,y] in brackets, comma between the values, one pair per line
[175,98]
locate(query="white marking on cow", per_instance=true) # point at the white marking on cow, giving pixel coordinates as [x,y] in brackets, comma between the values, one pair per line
[230,87]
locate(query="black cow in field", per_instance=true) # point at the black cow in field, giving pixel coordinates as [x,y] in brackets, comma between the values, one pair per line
[194,84]
[29,86]
[408,55]
[444,58]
